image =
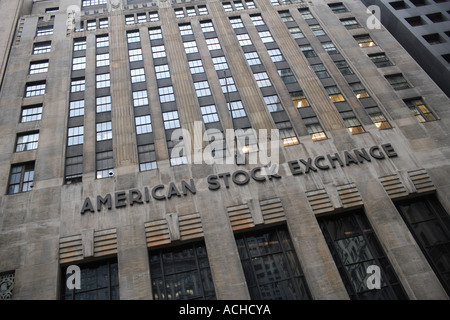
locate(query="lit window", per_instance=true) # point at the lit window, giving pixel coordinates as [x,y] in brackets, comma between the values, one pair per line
[359,90]
[171,120]
[202,10]
[335,94]
[102,41]
[77,85]
[155,33]
[365,41]
[244,39]
[380,121]
[207,26]
[21,178]
[185,29]
[79,63]
[179,13]
[153,16]
[141,17]
[27,141]
[129,19]
[137,75]
[135,55]
[316,132]
[420,110]
[353,125]
[133,36]
[257,20]
[266,36]
[287,133]
[102,60]
[44,31]
[299,99]
[158,51]
[79,44]
[91,25]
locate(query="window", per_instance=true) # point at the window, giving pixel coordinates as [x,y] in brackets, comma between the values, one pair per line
[420,110]
[103,80]
[202,10]
[153,16]
[21,178]
[320,71]
[135,55]
[364,41]
[227,84]
[42,47]
[316,132]
[27,141]
[271,268]
[237,109]
[88,3]
[330,48]
[75,136]
[104,131]
[102,41]
[74,169]
[418,3]
[209,114]
[359,90]
[273,103]
[213,44]
[306,14]
[429,224]
[166,94]
[287,75]
[79,44]
[44,31]
[35,89]
[158,51]
[141,17]
[252,58]
[38,67]
[129,19]
[155,33]
[287,133]
[104,164]
[196,66]
[190,47]
[143,124]
[181,274]
[296,33]
[399,5]
[354,247]
[171,120]
[337,7]
[103,104]
[350,23]
[190,11]
[137,75]
[207,26]
[380,121]
[185,29]
[266,36]
[299,99]
[79,63]
[102,60]
[433,38]
[147,157]
[133,36]
[343,67]
[308,51]
[76,108]
[77,85]
[335,94]
[202,89]
[244,39]
[285,16]
[91,25]
[236,22]
[99,281]
[353,125]
[317,30]
[31,113]
[397,81]
[179,13]
[140,98]
[162,71]
[275,55]
[103,23]
[415,21]
[220,63]
[380,60]
[257,20]
[436,17]
[262,79]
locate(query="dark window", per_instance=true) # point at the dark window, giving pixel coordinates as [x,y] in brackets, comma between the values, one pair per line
[181,274]
[337,7]
[436,17]
[99,281]
[418,3]
[446,57]
[271,267]
[434,38]
[397,81]
[354,247]
[415,21]
[21,178]
[380,60]
[398,5]
[430,226]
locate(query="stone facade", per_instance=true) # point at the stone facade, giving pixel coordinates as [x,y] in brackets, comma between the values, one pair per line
[43,230]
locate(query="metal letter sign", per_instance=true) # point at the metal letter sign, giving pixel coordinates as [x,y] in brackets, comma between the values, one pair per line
[74,280]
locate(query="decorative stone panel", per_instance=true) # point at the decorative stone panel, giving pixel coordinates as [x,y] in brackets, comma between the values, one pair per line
[394,186]
[349,196]
[272,210]
[421,180]
[319,201]
[240,217]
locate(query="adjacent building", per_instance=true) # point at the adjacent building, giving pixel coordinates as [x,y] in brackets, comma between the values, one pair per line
[247,149]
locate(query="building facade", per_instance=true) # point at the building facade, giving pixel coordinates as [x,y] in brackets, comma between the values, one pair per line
[422,28]
[107,185]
